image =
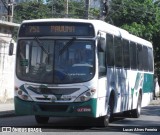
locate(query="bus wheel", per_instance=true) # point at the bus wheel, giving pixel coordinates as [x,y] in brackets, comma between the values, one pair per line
[110,108]
[41,119]
[136,112]
[105,120]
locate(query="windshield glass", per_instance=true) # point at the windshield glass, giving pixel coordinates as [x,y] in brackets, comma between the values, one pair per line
[55,61]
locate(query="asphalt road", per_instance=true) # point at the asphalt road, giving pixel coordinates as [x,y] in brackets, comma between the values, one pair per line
[149,120]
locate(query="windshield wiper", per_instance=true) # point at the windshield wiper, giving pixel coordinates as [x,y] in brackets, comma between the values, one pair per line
[69,43]
[41,45]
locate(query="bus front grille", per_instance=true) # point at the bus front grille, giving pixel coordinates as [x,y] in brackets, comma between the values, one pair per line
[54,91]
[54,108]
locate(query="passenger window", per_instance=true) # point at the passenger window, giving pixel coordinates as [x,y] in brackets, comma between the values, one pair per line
[150,59]
[139,57]
[110,50]
[145,58]
[102,63]
[126,58]
[133,55]
[118,52]
[102,55]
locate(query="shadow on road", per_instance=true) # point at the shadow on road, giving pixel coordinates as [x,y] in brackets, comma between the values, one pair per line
[90,124]
[77,124]
[153,110]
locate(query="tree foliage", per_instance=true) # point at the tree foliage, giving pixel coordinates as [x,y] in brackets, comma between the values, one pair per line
[139,17]
[56,7]
[34,9]
[30,10]
[76,9]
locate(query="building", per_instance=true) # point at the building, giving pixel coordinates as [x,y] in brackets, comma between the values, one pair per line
[6,62]
[3,7]
[3,11]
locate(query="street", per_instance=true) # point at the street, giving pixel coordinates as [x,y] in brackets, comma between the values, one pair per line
[149,120]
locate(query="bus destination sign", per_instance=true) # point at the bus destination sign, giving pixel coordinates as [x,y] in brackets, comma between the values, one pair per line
[56,29]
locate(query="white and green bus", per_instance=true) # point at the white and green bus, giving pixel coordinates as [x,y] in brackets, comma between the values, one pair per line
[81,68]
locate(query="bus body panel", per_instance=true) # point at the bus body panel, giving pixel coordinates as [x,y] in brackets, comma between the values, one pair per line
[87,109]
[126,84]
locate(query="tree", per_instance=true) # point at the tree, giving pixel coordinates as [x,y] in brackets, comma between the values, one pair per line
[141,18]
[57,8]
[76,9]
[140,14]
[30,10]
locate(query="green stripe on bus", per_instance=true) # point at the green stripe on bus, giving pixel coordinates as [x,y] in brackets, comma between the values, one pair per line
[32,108]
[144,81]
[148,83]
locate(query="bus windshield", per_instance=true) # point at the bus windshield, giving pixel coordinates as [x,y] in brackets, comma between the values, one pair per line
[75,65]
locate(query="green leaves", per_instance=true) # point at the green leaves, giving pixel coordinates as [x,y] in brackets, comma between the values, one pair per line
[141,18]
[30,10]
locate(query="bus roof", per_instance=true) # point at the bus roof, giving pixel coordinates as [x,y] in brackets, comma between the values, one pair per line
[99,26]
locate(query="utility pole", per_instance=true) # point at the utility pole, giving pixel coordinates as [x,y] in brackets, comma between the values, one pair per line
[101,10]
[52,8]
[87,3]
[10,11]
[9,7]
[104,7]
[66,14]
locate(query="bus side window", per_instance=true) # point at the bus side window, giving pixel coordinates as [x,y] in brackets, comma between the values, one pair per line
[133,55]
[102,57]
[110,50]
[150,59]
[118,51]
[139,57]
[126,58]
[145,58]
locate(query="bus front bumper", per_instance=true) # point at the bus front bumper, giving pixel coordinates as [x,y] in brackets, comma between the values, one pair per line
[75,109]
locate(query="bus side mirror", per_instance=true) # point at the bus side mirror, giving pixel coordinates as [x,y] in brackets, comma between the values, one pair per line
[11,48]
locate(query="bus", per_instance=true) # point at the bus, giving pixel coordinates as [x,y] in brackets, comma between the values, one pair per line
[81,68]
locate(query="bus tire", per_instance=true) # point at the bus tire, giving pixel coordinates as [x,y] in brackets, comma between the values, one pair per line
[105,120]
[111,108]
[136,112]
[41,119]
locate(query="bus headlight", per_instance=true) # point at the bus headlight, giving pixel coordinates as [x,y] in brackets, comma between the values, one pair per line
[22,95]
[86,96]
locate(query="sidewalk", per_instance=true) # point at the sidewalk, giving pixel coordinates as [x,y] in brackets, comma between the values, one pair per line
[7,109]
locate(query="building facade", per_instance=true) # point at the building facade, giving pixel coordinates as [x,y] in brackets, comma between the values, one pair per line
[3,8]
[6,62]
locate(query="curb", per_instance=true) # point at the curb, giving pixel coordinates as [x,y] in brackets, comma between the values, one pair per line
[10,113]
